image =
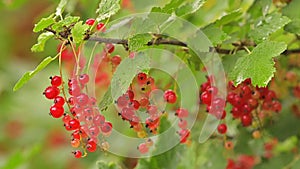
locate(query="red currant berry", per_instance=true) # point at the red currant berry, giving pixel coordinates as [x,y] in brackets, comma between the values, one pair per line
[182,113]
[82,99]
[59,100]
[66,118]
[116,60]
[206,98]
[246,120]
[51,92]
[74,90]
[130,94]
[75,143]
[170,96]
[276,106]
[76,134]
[101,27]
[143,148]
[110,48]
[90,21]
[99,120]
[84,79]
[77,154]
[222,128]
[212,90]
[106,127]
[135,104]
[56,81]
[94,131]
[91,146]
[74,124]
[56,111]
[144,102]
[182,123]
[184,134]
[142,78]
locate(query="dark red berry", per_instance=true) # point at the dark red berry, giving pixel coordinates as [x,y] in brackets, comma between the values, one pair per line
[246,120]
[222,128]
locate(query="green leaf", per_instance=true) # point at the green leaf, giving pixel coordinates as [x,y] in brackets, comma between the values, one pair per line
[230,60]
[230,17]
[78,32]
[28,75]
[190,8]
[66,22]
[259,8]
[292,11]
[169,8]
[271,24]
[60,8]
[42,39]
[123,76]
[180,7]
[214,34]
[106,100]
[107,8]
[44,23]
[259,65]
[138,41]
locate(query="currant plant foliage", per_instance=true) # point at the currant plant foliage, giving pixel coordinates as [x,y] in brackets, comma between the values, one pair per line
[258,44]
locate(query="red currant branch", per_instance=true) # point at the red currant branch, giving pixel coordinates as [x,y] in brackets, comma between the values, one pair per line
[174,42]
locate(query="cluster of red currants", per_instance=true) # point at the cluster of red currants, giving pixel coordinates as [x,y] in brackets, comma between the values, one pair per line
[84,119]
[248,102]
[137,99]
[242,162]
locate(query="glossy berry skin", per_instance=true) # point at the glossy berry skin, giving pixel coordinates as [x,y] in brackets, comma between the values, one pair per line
[246,120]
[56,111]
[222,128]
[170,96]
[142,78]
[74,124]
[206,98]
[51,92]
[143,148]
[56,81]
[59,100]
[77,154]
[84,79]
[90,21]
[91,146]
[101,27]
